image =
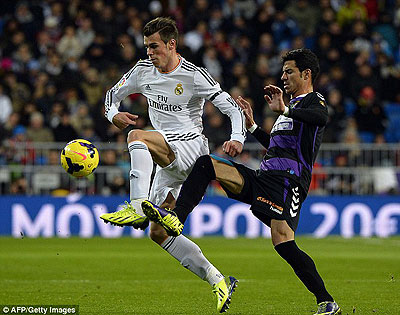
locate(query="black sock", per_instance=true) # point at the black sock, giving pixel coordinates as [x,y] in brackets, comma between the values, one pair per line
[194,187]
[305,269]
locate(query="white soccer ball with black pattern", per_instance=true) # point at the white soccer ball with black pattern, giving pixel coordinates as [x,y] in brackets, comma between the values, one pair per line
[79,158]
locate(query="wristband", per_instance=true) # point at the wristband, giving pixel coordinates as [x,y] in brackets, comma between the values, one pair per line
[286,111]
[252,128]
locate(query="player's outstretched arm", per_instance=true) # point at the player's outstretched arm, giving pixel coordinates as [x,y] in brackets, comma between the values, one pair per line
[124,119]
[258,133]
[247,111]
[274,97]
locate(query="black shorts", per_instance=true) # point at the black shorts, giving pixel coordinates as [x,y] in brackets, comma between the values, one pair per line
[271,196]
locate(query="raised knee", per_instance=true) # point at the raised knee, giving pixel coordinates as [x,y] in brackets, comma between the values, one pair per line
[135,135]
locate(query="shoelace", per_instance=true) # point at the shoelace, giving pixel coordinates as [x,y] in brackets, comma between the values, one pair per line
[127,209]
[322,307]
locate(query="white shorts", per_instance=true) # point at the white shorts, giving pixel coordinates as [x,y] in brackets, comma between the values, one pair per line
[187,148]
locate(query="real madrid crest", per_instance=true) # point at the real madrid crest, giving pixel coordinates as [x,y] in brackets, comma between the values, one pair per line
[179,89]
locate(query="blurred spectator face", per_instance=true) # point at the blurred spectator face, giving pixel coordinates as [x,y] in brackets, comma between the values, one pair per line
[324,41]
[341,160]
[56,9]
[18,38]
[266,41]
[201,5]
[86,24]
[13,120]
[262,67]
[334,97]
[36,120]
[238,69]
[129,52]
[298,42]
[42,79]
[109,157]
[92,75]
[365,70]
[359,28]
[83,111]
[18,187]
[124,40]
[107,13]
[24,53]
[69,31]
[328,15]
[51,90]
[367,96]
[54,157]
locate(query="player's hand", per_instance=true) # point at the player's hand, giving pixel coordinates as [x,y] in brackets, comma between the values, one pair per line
[274,97]
[232,147]
[247,111]
[124,119]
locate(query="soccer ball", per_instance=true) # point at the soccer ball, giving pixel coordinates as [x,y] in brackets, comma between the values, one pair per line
[79,158]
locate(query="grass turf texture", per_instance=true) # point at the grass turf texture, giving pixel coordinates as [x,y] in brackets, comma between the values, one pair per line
[134,276]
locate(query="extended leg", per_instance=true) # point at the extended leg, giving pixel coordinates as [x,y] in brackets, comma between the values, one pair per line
[303,266]
[192,258]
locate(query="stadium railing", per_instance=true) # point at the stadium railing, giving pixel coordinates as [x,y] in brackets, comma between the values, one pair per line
[340,169]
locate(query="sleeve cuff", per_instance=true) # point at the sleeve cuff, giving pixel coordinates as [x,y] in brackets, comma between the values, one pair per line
[111,113]
[238,137]
[252,128]
[286,111]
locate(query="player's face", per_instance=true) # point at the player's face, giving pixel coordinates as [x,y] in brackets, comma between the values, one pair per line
[293,79]
[159,52]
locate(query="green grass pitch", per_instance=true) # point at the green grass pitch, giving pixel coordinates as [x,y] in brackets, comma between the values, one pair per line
[134,276]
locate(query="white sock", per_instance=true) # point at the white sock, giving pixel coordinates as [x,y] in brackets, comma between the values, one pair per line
[140,174]
[191,257]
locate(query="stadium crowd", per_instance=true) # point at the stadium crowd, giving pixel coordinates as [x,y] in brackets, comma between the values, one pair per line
[57,59]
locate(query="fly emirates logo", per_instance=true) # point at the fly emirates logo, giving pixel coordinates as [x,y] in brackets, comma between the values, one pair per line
[162,104]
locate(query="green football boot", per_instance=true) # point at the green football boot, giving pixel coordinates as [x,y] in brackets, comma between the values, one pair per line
[127,216]
[166,218]
[224,293]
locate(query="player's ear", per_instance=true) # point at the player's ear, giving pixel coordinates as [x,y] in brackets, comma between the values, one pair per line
[307,74]
[172,43]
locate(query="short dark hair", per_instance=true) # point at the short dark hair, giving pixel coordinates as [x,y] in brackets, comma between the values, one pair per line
[304,59]
[165,26]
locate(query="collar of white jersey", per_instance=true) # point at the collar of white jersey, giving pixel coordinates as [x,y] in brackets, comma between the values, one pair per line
[176,67]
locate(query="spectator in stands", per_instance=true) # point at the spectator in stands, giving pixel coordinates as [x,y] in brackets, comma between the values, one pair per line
[369,114]
[18,91]
[69,44]
[37,131]
[305,15]
[85,33]
[64,132]
[92,87]
[5,106]
[337,117]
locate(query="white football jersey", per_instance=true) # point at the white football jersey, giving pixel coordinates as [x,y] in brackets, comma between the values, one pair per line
[176,99]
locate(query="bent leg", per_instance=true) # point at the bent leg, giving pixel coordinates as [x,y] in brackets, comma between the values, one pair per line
[302,264]
[144,148]
[204,171]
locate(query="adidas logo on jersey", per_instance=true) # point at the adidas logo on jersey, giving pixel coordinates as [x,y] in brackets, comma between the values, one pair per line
[147,87]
